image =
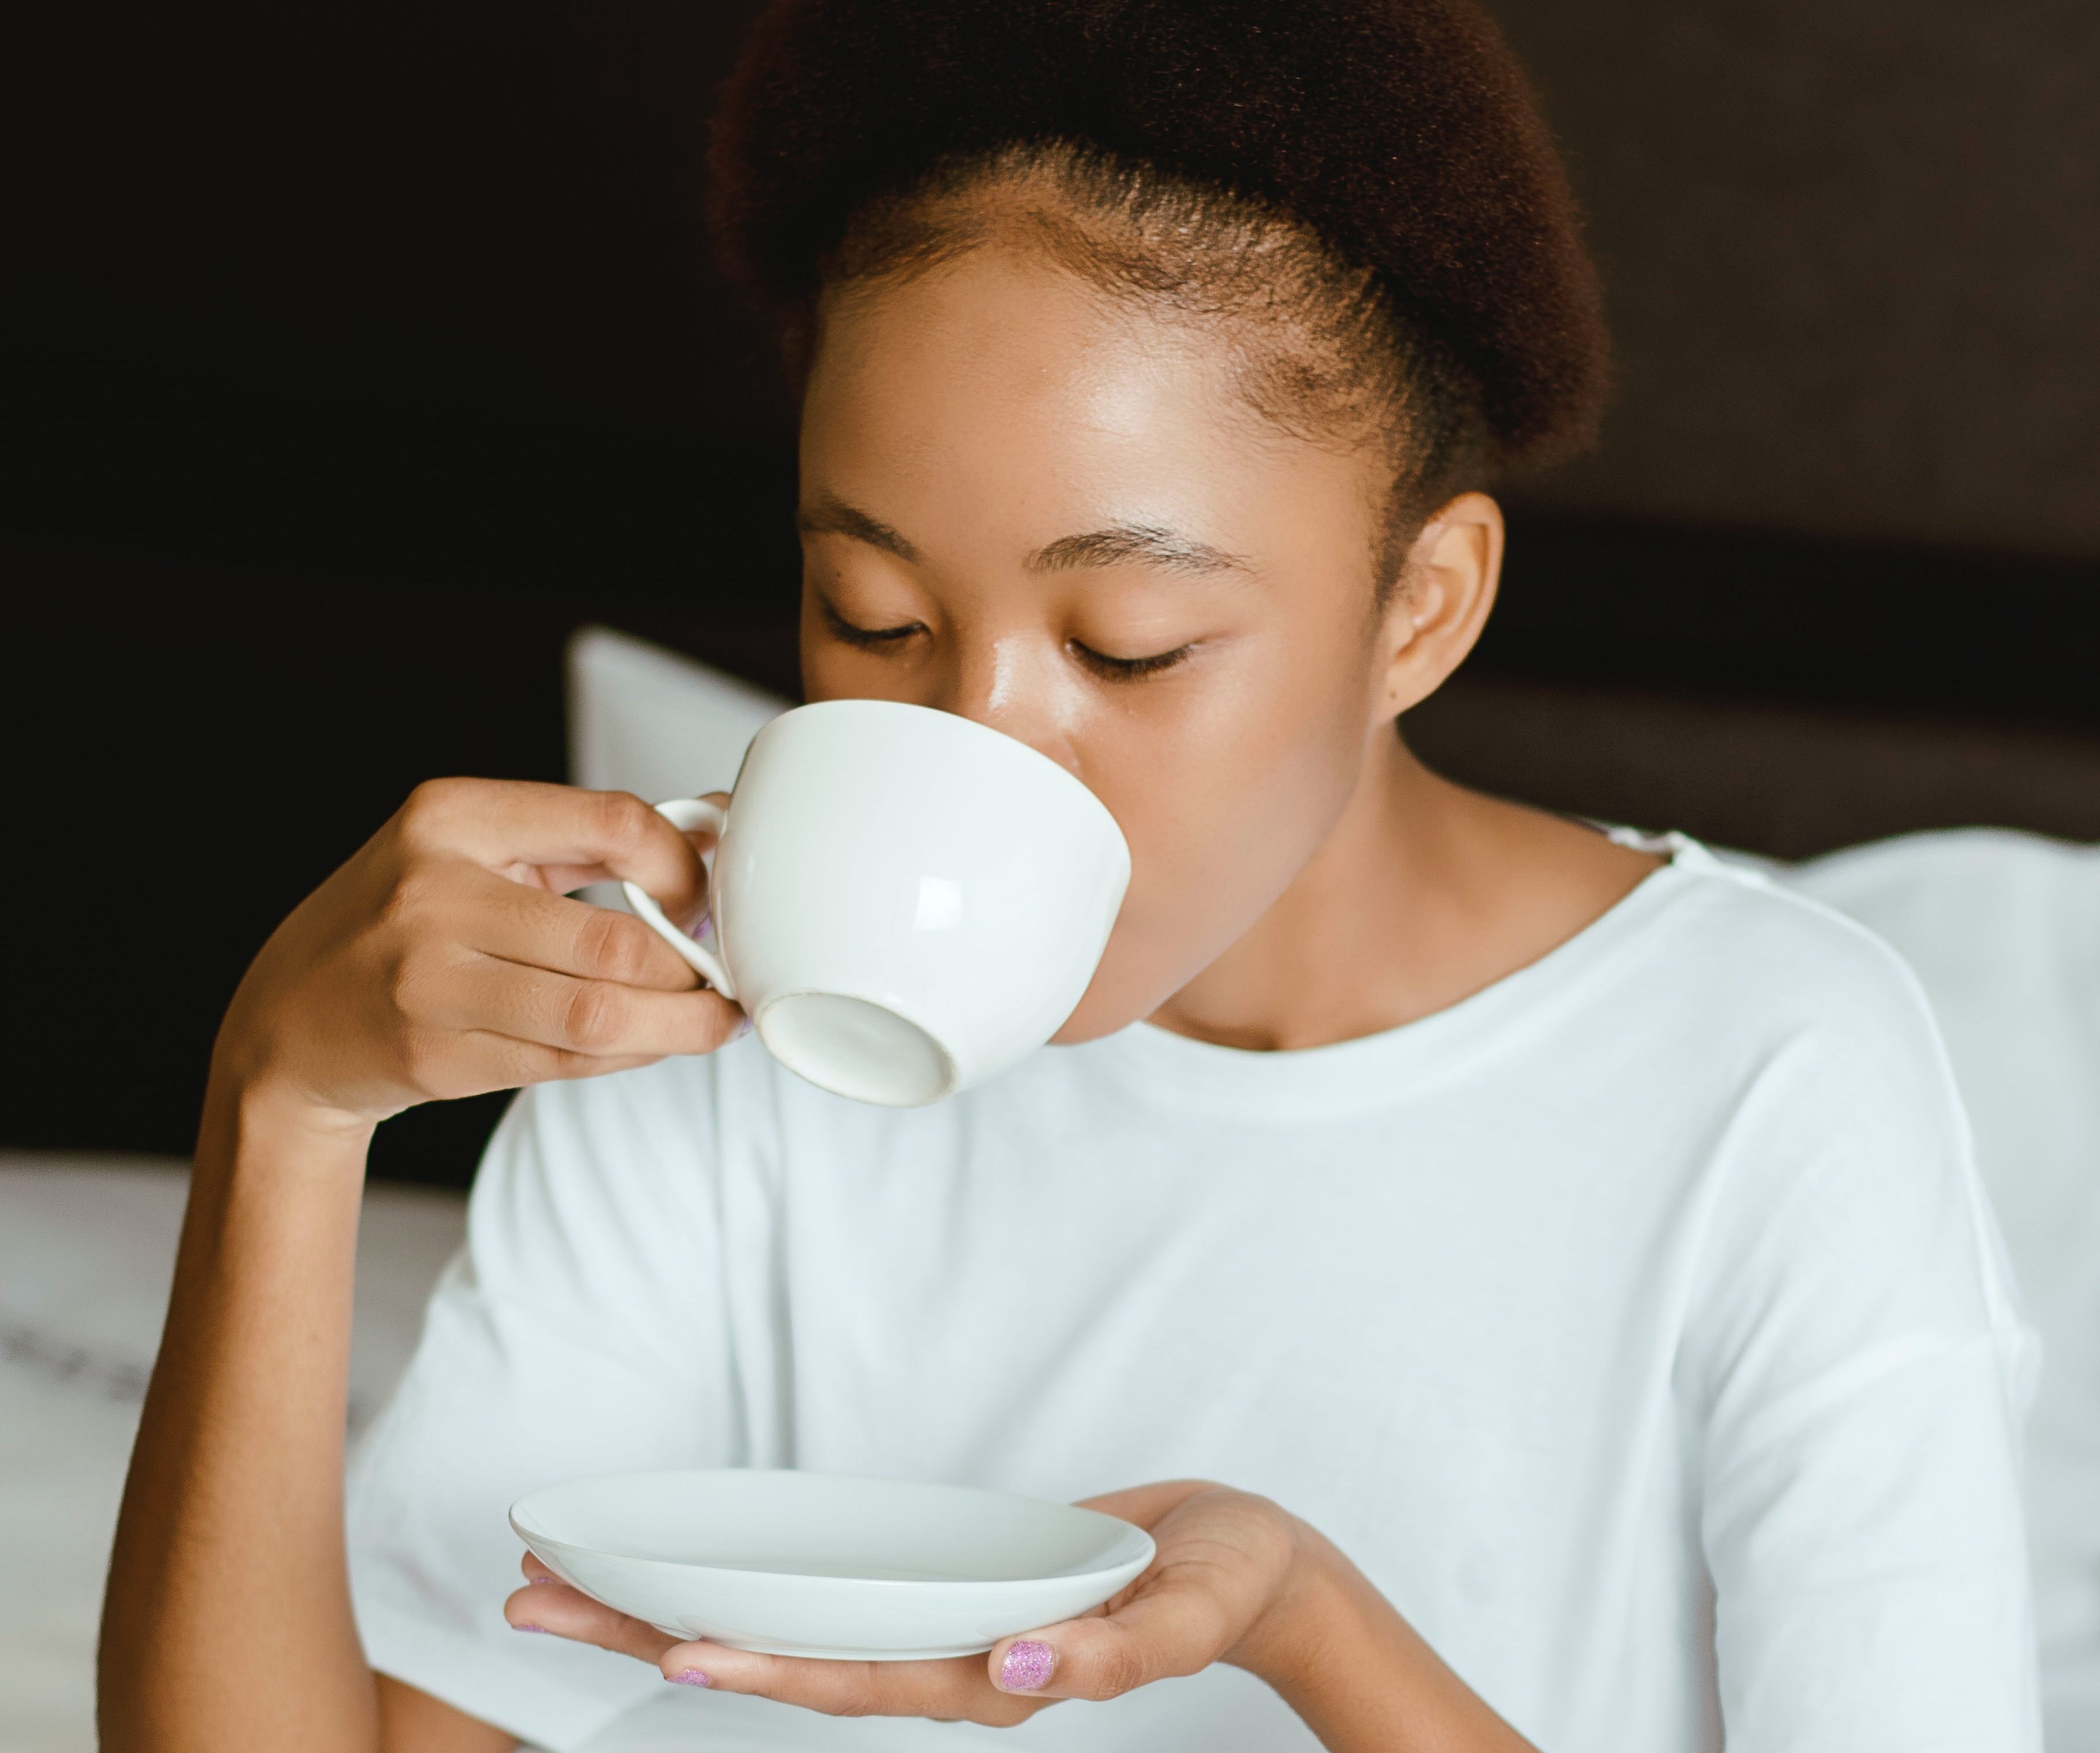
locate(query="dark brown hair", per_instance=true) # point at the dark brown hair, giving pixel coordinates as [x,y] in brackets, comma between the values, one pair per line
[1373,173]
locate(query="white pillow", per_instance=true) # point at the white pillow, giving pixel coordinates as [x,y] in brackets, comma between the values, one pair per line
[646,720]
[2004,931]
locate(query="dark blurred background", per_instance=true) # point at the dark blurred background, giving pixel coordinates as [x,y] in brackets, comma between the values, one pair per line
[351,357]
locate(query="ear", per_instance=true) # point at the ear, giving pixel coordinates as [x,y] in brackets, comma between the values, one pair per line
[1440,602]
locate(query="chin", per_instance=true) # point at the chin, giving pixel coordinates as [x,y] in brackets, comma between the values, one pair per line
[1116,998]
[1094,1017]
[1078,1031]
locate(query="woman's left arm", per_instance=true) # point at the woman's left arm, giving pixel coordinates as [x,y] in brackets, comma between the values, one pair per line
[1237,1579]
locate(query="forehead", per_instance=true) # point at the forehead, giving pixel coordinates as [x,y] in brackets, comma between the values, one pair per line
[995,340]
[997,381]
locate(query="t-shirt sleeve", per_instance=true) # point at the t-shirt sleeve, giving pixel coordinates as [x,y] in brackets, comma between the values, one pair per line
[1859,1370]
[587,1326]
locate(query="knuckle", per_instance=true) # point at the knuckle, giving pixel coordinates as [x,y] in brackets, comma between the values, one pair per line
[623,819]
[1117,1669]
[597,1017]
[425,1063]
[514,1064]
[428,807]
[1006,1712]
[615,946]
[410,897]
[402,984]
[855,1690]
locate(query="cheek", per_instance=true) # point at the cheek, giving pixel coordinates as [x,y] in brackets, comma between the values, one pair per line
[1224,793]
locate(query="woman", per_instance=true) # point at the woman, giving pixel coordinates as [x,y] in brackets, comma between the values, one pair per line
[1529,1280]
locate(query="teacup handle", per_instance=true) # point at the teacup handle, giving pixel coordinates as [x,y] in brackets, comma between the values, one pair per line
[684,814]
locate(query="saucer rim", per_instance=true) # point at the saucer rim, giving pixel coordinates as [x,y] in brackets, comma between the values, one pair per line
[1135,1562]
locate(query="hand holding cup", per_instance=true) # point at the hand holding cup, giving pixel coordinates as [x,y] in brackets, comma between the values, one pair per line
[446,958]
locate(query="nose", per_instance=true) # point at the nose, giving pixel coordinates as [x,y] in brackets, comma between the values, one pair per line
[1012,679]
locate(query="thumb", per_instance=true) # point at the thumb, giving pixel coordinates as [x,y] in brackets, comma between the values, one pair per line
[1177,1626]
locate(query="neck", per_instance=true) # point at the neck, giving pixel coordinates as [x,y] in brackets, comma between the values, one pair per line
[1423,894]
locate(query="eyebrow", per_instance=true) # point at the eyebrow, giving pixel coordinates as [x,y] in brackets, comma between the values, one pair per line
[1151,543]
[833,517]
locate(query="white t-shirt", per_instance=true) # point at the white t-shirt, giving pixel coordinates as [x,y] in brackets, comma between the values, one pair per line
[1637,1325]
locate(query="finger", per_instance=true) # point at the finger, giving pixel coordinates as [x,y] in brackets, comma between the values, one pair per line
[563,878]
[547,1597]
[947,1689]
[596,1017]
[1146,1504]
[1180,1626]
[952,1690]
[541,929]
[444,1065]
[553,1607]
[503,823]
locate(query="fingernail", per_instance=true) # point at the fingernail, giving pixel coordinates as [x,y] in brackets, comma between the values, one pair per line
[538,1580]
[689,1677]
[1027,1666]
[745,1026]
[540,1629]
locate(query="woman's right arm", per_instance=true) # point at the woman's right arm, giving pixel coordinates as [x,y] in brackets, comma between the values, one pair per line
[443,960]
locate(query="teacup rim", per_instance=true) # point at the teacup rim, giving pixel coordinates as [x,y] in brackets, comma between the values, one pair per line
[968,727]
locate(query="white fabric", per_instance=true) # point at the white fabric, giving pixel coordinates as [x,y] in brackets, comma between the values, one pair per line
[2004,931]
[1660,1262]
[87,1250]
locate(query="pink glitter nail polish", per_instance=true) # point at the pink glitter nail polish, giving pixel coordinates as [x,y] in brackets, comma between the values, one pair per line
[540,1629]
[1027,1666]
[689,1677]
[538,1580]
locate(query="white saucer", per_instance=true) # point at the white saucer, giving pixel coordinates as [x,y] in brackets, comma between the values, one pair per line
[809,1564]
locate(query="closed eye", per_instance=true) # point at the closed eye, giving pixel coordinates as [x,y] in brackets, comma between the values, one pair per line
[1114,669]
[1127,669]
[868,637]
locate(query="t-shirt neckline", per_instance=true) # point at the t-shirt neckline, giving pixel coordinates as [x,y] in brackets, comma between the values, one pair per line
[1374,1070]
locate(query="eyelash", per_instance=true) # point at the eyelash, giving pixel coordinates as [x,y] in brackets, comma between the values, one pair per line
[1119,669]
[1129,669]
[866,636]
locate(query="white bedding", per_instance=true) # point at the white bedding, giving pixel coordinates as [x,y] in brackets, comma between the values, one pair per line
[87,1247]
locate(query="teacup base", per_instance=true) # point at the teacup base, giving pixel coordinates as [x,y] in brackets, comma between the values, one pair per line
[856,1048]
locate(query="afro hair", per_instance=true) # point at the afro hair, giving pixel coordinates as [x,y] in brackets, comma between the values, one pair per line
[1402,134]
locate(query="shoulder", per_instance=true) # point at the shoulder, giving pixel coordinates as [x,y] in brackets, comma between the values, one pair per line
[1843,1139]
[1843,1178]
[1764,959]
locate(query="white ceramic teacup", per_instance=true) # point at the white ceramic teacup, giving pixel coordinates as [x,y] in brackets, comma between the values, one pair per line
[905,901]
